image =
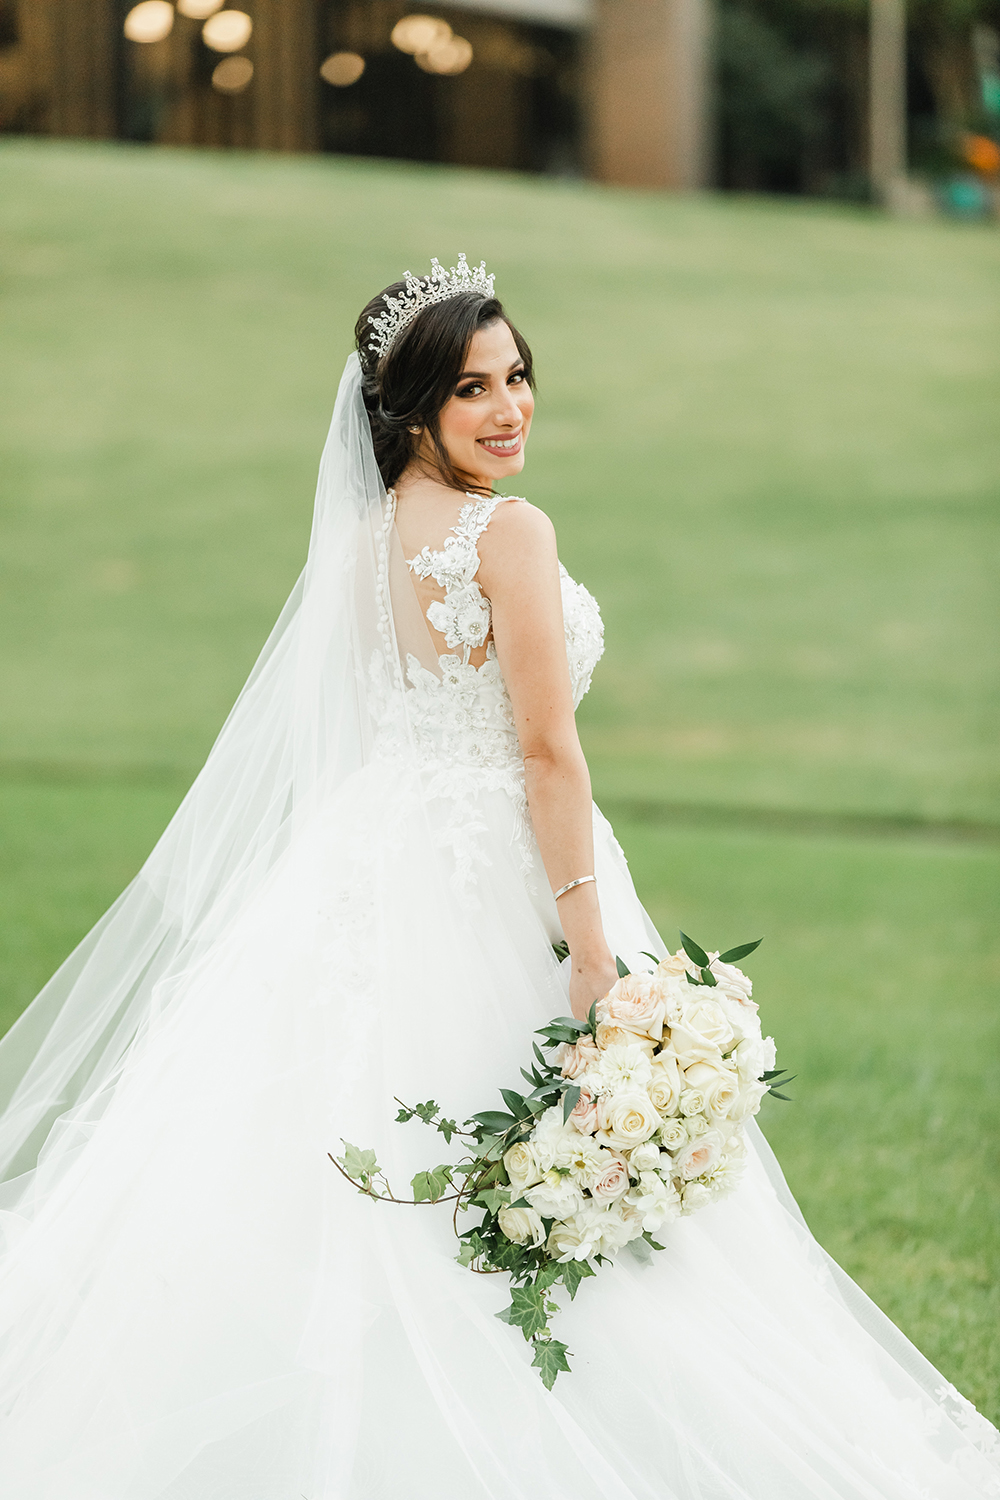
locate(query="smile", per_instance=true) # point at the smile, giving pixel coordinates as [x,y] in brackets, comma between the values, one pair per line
[501,445]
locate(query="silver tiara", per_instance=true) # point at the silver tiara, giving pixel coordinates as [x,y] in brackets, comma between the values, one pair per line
[421,292]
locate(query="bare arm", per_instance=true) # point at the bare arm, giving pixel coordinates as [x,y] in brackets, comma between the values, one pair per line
[520,576]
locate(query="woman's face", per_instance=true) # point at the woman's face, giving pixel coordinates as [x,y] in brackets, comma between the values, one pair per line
[484,425]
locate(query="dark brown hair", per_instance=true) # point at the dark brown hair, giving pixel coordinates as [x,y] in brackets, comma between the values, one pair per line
[413,381]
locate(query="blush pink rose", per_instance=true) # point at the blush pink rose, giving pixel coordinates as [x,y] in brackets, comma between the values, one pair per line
[636,1003]
[584,1113]
[576,1058]
[613,1180]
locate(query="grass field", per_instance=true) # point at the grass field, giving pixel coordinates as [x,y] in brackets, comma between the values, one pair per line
[767,435]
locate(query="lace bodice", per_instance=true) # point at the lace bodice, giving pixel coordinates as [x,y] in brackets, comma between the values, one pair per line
[459,723]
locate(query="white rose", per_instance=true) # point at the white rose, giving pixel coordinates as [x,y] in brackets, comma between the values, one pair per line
[743,1019]
[692,1102]
[522,1225]
[696,1125]
[731,981]
[673,1135]
[654,1200]
[611,1180]
[644,1158]
[748,1101]
[719,1087]
[576,1238]
[552,1141]
[698,1156]
[626,1120]
[695,1196]
[522,1168]
[675,966]
[704,1016]
[556,1196]
[665,1084]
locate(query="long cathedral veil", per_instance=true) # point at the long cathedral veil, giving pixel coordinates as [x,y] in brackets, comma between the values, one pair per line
[301,725]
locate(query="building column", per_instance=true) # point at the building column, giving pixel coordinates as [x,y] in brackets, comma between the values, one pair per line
[649,94]
[284,89]
[887,96]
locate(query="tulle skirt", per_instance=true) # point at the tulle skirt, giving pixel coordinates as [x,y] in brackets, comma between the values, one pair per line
[195,1305]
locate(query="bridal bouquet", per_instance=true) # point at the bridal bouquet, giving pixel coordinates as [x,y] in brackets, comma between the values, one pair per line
[635,1119]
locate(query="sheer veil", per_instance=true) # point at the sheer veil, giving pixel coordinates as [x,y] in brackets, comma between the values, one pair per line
[302,723]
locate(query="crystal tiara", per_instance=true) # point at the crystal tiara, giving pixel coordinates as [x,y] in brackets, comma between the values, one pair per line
[421,292]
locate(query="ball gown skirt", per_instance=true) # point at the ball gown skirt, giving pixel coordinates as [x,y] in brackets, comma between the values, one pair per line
[196,1306]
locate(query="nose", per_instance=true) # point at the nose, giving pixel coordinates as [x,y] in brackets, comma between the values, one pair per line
[507,412]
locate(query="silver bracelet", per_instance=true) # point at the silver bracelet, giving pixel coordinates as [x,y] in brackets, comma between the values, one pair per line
[583,880]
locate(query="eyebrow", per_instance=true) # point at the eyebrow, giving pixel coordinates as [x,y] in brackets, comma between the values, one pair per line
[484,374]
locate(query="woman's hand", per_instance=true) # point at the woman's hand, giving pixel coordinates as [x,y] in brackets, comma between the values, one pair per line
[590,981]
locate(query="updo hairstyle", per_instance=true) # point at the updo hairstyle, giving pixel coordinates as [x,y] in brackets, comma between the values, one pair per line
[418,375]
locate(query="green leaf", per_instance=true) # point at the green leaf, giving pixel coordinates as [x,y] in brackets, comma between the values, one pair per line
[573,1272]
[592,1019]
[707,977]
[466,1254]
[570,1098]
[550,1360]
[358,1163]
[429,1186]
[646,954]
[493,1199]
[404,1114]
[561,950]
[651,1242]
[515,1103]
[527,1310]
[733,955]
[505,1315]
[696,954]
[495,1121]
[773,1094]
[541,1057]
[623,970]
[548,1273]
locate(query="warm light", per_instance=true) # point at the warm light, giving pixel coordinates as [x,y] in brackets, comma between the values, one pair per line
[150,21]
[342,69]
[227,30]
[981,153]
[452,56]
[232,75]
[199,10]
[420,34]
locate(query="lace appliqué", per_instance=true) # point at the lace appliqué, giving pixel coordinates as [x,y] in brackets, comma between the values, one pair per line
[584,634]
[463,616]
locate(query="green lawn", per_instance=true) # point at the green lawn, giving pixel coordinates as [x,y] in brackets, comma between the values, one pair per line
[767,434]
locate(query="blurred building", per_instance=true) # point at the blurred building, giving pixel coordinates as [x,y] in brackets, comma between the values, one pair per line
[613,88]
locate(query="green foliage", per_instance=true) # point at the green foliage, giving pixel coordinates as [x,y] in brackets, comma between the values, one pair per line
[429,1186]
[550,1360]
[358,1164]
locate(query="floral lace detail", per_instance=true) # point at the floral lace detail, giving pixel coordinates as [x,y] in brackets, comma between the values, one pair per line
[463,616]
[457,728]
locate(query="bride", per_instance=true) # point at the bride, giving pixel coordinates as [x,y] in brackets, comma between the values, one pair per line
[359,898]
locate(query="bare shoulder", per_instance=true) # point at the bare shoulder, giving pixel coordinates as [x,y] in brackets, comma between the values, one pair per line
[517,530]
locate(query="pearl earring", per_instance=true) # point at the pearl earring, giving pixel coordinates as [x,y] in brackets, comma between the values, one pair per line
[414,429]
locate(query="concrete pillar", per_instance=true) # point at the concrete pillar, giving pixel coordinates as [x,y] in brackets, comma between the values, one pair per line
[887,96]
[285,53]
[649,93]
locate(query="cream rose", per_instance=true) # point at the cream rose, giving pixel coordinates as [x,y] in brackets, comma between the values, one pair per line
[610,1034]
[556,1196]
[732,981]
[719,1087]
[698,1156]
[748,1102]
[522,1225]
[692,1102]
[754,1056]
[636,1004]
[626,1120]
[673,1135]
[695,1196]
[611,1180]
[690,1046]
[522,1168]
[696,1125]
[644,1159]
[576,1058]
[666,1084]
[706,1018]
[675,966]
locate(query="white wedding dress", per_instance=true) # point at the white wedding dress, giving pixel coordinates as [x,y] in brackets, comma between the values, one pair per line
[195,1305]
